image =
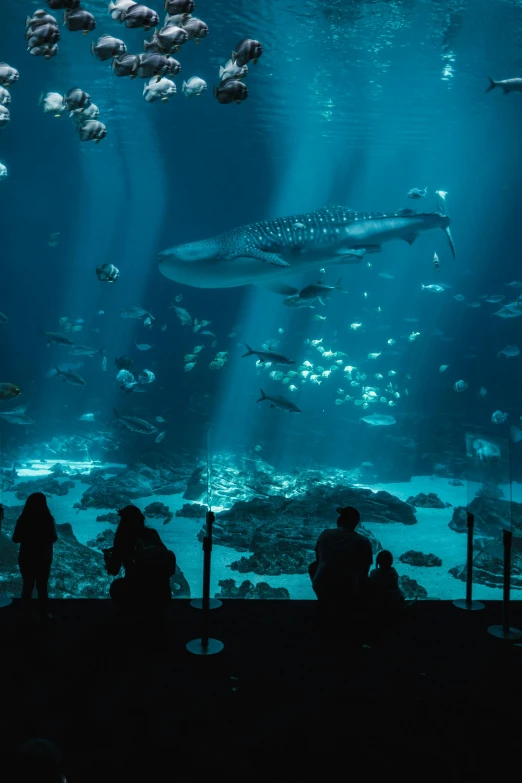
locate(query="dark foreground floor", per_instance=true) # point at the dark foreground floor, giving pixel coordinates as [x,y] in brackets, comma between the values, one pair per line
[439,699]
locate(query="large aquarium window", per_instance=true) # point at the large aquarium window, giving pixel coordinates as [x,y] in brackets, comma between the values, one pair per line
[263,256]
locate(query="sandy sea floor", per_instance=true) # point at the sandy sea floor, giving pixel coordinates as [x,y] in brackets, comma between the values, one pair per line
[430,535]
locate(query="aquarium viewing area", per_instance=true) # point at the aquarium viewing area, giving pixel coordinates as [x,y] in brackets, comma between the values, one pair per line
[260,268]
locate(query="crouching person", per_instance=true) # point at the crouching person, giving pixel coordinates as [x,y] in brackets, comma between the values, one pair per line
[147,562]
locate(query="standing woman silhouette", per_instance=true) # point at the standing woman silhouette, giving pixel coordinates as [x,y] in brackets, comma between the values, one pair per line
[35,531]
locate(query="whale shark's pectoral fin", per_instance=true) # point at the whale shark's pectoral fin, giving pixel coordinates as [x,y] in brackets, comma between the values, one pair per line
[410,238]
[260,255]
[278,288]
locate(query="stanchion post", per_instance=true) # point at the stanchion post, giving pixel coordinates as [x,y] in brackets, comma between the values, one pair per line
[468,603]
[504,631]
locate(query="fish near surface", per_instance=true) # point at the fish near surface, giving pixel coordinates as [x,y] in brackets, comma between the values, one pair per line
[263,253]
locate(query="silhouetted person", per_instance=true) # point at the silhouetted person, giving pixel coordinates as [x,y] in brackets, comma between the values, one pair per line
[38,761]
[384,585]
[343,559]
[147,562]
[35,531]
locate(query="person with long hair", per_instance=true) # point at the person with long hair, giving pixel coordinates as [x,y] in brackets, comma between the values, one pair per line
[35,531]
[147,562]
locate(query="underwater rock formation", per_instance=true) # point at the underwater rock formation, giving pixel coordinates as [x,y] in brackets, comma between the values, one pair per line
[492,515]
[431,500]
[77,571]
[48,485]
[197,484]
[261,590]
[111,517]
[488,565]
[411,557]
[411,589]
[158,510]
[103,540]
[280,533]
[192,510]
[138,481]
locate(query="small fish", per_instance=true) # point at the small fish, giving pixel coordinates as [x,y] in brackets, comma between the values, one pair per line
[374,355]
[178,298]
[77,99]
[148,322]
[183,315]
[508,85]
[378,420]
[116,9]
[320,290]
[160,419]
[413,336]
[179,6]
[391,341]
[436,288]
[70,377]
[190,366]
[136,424]
[509,351]
[513,310]
[499,418]
[194,87]
[8,391]
[514,284]
[246,51]
[143,346]
[157,65]
[92,130]
[107,47]
[139,16]
[436,262]
[87,417]
[159,89]
[475,305]
[460,386]
[516,434]
[159,437]
[482,392]
[231,91]
[232,71]
[267,356]
[386,276]
[279,402]
[55,338]
[318,317]
[355,326]
[163,327]
[195,28]
[443,367]
[416,193]
[135,312]
[107,273]
[169,39]
[495,298]
[459,298]
[79,19]
[126,65]
[8,75]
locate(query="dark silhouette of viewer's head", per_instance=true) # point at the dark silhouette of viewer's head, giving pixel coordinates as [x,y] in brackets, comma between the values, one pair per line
[38,761]
[348,518]
[384,559]
[130,525]
[36,505]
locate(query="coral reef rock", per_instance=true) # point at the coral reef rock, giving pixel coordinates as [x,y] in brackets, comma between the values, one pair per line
[112,517]
[197,484]
[411,557]
[411,589]
[492,515]
[103,540]
[48,485]
[138,481]
[488,566]
[158,510]
[431,500]
[261,590]
[280,533]
[192,510]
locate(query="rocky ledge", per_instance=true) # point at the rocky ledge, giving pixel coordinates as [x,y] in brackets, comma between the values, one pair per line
[411,557]
[247,589]
[279,534]
[411,589]
[139,481]
[431,500]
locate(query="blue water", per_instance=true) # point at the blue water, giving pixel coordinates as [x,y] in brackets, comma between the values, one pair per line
[352,103]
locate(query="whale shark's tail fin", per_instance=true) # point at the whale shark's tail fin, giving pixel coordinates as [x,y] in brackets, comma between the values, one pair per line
[440,196]
[249,352]
[492,85]
[263,396]
[339,286]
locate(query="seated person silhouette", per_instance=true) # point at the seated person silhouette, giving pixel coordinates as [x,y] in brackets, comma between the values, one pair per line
[147,562]
[385,581]
[343,559]
[35,531]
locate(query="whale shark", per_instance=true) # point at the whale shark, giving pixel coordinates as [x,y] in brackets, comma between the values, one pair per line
[266,252]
